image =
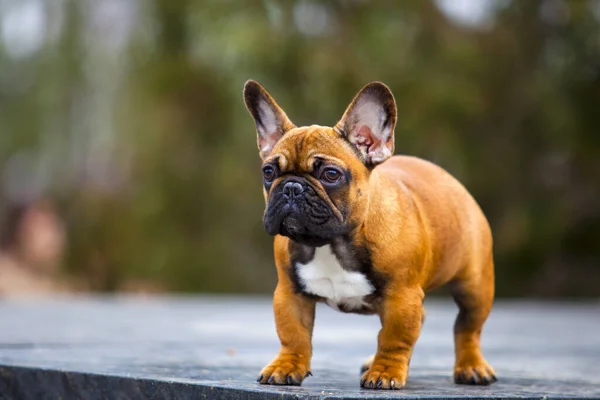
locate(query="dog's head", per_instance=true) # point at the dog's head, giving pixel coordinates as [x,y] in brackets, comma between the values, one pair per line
[316,177]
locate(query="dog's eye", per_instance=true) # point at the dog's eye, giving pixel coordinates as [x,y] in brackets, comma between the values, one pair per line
[268,173]
[331,175]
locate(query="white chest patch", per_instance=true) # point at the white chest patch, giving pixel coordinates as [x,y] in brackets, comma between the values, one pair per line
[324,276]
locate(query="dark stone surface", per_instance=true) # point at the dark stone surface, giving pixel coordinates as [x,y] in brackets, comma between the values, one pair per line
[213,348]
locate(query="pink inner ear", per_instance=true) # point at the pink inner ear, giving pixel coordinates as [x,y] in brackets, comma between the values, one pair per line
[267,142]
[364,136]
[373,148]
[377,143]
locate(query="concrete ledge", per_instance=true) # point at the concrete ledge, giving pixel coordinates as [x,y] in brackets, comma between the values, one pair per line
[37,383]
[213,348]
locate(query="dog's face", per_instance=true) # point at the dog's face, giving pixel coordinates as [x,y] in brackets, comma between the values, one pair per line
[312,184]
[316,177]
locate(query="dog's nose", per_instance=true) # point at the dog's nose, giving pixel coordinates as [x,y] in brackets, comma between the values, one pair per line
[292,189]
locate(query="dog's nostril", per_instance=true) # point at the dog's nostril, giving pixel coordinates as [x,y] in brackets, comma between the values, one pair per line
[292,189]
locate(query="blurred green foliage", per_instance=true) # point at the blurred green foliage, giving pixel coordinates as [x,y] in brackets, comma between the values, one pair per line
[129,116]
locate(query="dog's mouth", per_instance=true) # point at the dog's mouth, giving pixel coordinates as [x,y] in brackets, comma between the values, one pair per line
[296,227]
[302,216]
[291,226]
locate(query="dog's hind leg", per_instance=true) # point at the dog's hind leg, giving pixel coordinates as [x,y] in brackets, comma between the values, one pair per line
[473,292]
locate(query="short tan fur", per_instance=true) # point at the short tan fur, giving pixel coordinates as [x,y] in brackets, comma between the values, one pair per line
[421,227]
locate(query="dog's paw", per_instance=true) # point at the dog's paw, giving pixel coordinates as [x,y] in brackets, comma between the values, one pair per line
[285,369]
[384,376]
[477,373]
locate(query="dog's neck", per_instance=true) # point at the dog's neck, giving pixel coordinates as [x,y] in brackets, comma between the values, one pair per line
[349,251]
[352,257]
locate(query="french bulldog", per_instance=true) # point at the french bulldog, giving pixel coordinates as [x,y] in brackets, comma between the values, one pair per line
[367,232]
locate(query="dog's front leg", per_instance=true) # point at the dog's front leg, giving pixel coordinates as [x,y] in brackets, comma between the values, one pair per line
[401,316]
[294,318]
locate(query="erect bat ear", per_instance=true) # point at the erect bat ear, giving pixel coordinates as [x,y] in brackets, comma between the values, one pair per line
[368,123]
[271,121]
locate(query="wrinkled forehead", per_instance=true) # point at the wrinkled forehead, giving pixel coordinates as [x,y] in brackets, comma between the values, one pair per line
[300,147]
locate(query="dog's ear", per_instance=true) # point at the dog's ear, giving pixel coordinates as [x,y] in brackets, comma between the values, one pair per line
[271,121]
[368,123]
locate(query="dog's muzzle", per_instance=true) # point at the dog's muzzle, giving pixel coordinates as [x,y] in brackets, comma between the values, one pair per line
[296,210]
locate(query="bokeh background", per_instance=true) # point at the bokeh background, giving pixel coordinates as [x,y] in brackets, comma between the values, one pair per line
[129,163]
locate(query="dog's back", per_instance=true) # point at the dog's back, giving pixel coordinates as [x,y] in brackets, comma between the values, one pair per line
[458,232]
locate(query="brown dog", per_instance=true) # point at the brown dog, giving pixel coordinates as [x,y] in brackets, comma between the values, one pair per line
[367,233]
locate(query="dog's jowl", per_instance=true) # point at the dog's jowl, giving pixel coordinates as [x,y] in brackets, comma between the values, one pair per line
[367,232]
